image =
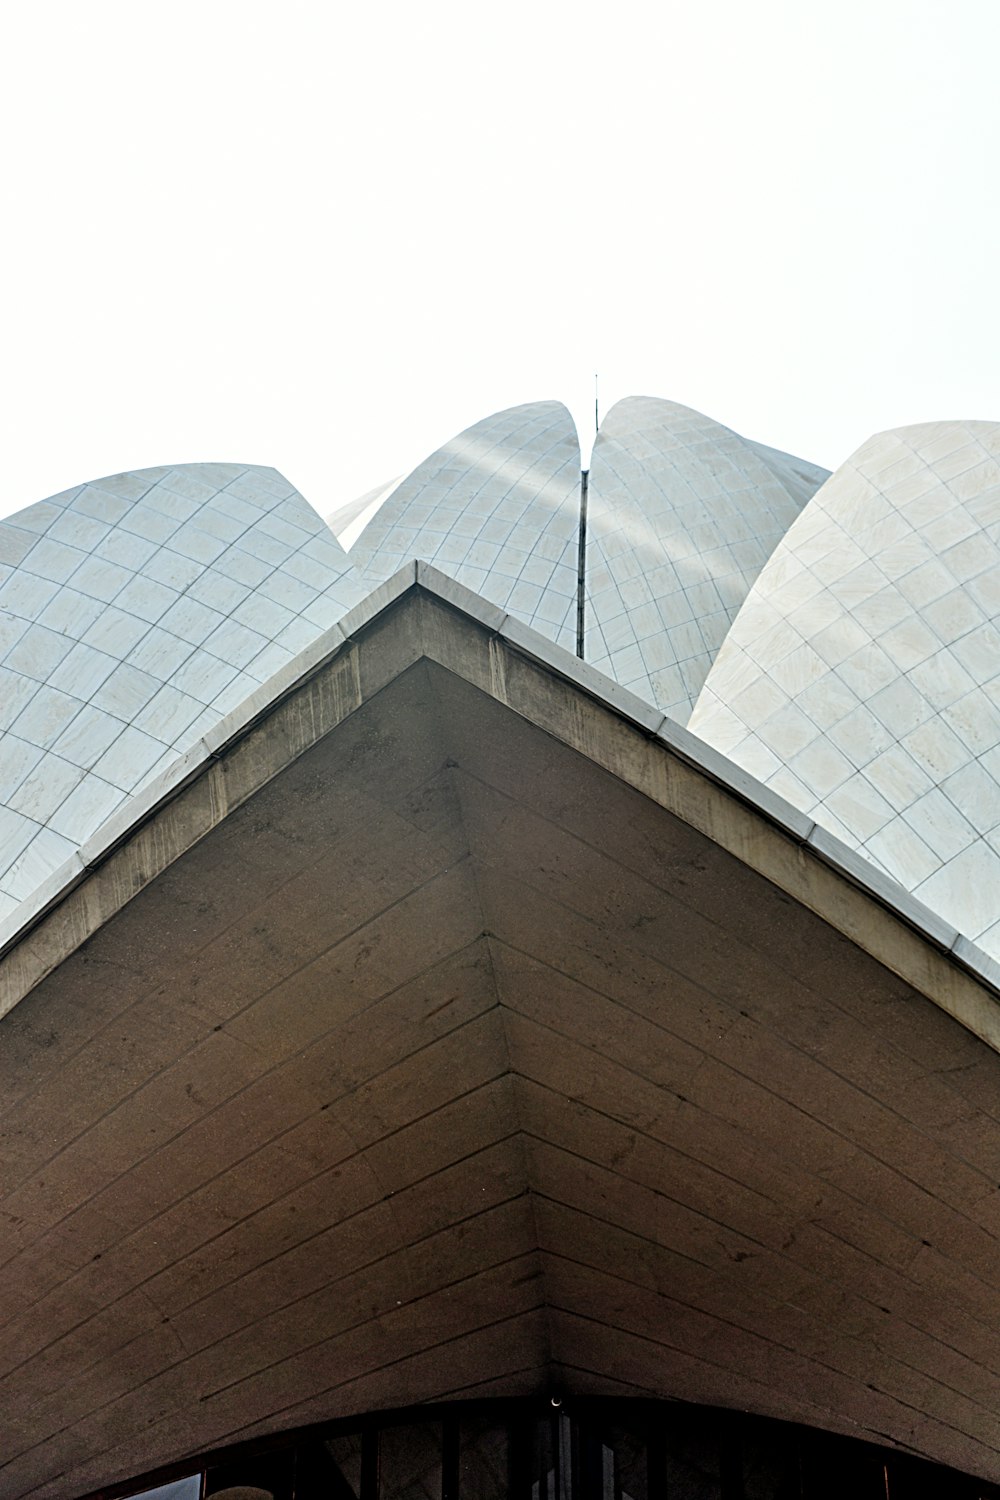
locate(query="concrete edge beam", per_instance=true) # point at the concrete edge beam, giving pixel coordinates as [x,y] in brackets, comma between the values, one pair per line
[402,623]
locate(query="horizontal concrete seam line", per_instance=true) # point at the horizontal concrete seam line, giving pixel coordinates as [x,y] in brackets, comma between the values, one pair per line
[845,1193]
[805,1409]
[421,1353]
[804,1403]
[356,1154]
[514,947]
[648,1239]
[459,1390]
[481,1272]
[569,1367]
[431,1349]
[860,1088]
[747,1329]
[356,1270]
[303,967]
[347,935]
[702,1359]
[572,1151]
[233,1433]
[660,1343]
[226,1103]
[291,1248]
[899,1318]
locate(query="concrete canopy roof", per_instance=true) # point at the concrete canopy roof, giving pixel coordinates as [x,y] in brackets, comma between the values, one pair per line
[447,1030]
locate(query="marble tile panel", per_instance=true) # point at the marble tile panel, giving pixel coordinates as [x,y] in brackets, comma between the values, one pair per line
[38,652]
[125,691]
[43,855]
[19,758]
[127,762]
[87,736]
[25,595]
[45,716]
[15,543]
[100,579]
[116,632]
[15,692]
[45,787]
[86,808]
[145,598]
[160,653]
[70,613]
[83,670]
[77,530]
[167,714]
[126,549]
[964,890]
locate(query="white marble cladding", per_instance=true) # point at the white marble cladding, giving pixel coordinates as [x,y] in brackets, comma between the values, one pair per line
[861,678]
[497,509]
[134,613]
[683,514]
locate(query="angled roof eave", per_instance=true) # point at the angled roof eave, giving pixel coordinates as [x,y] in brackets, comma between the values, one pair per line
[421,613]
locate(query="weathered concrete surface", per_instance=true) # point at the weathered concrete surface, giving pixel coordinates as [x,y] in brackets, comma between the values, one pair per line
[448,1034]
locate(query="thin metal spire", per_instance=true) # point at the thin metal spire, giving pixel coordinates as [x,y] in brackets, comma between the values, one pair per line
[581,565]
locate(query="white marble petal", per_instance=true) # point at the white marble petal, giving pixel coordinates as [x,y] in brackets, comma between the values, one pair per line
[497,508]
[861,678]
[682,516]
[891,577]
[134,613]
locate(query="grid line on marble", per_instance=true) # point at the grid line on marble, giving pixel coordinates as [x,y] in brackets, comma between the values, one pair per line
[861,679]
[497,509]
[683,514]
[134,613]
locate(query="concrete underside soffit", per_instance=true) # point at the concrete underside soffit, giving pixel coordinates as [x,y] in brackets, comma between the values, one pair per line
[447,1036]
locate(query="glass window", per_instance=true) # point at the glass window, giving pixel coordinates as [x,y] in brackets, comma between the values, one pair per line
[177,1489]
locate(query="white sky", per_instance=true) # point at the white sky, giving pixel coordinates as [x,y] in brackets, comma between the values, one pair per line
[327,237]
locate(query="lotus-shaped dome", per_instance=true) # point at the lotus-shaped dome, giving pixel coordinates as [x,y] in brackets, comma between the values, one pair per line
[834,635]
[861,678]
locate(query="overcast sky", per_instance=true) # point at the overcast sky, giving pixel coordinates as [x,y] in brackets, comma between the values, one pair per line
[327,237]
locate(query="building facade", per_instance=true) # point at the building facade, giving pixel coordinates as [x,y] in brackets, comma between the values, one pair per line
[560,971]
